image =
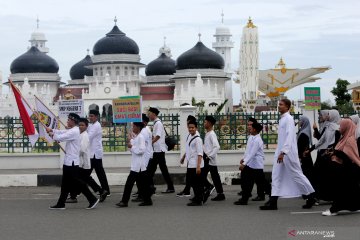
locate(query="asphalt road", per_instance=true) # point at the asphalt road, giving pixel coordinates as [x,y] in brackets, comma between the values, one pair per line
[24,215]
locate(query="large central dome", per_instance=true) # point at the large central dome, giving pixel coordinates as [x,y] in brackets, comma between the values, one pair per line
[115,42]
[199,57]
[34,61]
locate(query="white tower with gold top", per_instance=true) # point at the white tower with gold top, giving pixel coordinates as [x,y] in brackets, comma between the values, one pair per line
[249,66]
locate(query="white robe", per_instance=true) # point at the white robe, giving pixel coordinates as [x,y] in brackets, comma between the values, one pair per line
[288,179]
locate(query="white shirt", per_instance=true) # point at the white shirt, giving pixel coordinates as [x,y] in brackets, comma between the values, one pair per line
[84,151]
[95,136]
[146,132]
[211,147]
[158,130]
[254,154]
[193,151]
[72,148]
[137,153]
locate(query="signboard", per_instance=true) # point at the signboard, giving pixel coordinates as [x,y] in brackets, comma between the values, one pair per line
[127,109]
[312,98]
[71,106]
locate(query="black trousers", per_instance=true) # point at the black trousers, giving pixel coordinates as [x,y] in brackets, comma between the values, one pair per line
[214,176]
[187,182]
[71,178]
[84,175]
[197,183]
[159,159]
[144,188]
[248,177]
[100,172]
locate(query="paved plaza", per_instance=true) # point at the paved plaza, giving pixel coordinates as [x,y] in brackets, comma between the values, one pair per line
[25,215]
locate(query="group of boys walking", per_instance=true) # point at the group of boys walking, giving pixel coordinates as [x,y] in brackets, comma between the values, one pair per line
[84,143]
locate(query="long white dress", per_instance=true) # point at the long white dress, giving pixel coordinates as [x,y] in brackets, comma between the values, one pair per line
[288,180]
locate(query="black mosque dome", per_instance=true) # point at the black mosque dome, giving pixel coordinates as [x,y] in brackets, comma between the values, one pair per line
[163,65]
[34,61]
[199,57]
[79,70]
[115,42]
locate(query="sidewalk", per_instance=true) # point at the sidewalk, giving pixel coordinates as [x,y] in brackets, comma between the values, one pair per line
[116,176]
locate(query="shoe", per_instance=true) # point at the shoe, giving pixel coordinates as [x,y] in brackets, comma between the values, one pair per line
[194,203]
[93,204]
[219,197]
[211,189]
[147,203]
[329,213]
[192,199]
[183,194]
[57,207]
[309,203]
[241,202]
[103,195]
[258,199]
[168,191]
[71,200]
[268,207]
[206,195]
[138,199]
[121,204]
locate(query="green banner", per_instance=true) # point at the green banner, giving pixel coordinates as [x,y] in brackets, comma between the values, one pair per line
[312,98]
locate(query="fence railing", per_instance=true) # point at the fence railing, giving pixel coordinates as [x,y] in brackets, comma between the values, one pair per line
[231,130]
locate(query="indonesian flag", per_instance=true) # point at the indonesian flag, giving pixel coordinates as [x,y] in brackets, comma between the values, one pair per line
[25,113]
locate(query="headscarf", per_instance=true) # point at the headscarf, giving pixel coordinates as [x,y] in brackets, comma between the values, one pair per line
[356,120]
[334,119]
[305,128]
[332,125]
[347,143]
[325,116]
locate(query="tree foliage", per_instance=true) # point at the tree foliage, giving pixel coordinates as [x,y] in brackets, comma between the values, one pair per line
[342,96]
[341,93]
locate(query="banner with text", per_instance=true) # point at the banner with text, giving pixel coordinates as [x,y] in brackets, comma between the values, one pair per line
[71,106]
[127,109]
[312,98]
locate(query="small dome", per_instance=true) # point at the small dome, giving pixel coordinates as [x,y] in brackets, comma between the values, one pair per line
[222,30]
[115,42]
[37,36]
[163,65]
[79,70]
[199,57]
[34,61]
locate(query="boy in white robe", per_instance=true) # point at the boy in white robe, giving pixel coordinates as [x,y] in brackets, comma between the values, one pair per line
[288,180]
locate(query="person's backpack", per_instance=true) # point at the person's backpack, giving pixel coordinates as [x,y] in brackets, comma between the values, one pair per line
[170,141]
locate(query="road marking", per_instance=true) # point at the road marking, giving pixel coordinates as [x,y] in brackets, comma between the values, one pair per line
[307,212]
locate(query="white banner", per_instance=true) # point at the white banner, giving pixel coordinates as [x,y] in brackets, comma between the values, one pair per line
[71,106]
[47,118]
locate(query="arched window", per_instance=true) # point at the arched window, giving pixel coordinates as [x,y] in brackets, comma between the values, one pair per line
[93,107]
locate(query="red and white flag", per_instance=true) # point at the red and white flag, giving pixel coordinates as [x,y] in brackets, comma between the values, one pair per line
[25,115]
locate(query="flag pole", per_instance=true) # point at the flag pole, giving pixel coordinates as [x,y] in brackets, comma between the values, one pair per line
[49,110]
[36,112]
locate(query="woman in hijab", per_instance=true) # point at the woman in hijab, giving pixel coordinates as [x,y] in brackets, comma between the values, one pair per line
[304,142]
[330,136]
[345,163]
[356,121]
[323,117]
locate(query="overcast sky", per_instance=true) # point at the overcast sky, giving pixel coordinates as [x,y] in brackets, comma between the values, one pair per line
[305,33]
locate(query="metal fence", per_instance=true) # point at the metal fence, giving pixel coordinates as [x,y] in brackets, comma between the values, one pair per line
[231,130]
[115,136]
